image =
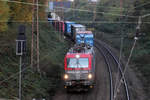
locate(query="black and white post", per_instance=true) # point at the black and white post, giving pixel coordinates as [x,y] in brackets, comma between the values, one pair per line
[20,51]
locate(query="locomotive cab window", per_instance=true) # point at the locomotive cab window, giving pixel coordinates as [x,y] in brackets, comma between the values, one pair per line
[77,63]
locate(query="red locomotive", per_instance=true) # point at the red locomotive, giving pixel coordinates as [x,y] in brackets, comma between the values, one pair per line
[79,65]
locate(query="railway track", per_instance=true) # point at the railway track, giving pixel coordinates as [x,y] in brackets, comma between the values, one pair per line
[110,60]
[104,88]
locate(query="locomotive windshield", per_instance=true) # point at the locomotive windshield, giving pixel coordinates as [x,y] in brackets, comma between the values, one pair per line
[77,63]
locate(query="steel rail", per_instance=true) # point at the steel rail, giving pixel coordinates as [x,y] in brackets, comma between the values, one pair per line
[109,70]
[120,68]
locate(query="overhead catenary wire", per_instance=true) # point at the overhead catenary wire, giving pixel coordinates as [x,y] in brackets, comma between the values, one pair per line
[133,7]
[97,22]
[103,6]
[109,13]
[105,12]
[26,3]
[118,8]
[98,12]
[30,3]
[124,9]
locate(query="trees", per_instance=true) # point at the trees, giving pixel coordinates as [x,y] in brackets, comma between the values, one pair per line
[113,11]
[4,15]
[21,12]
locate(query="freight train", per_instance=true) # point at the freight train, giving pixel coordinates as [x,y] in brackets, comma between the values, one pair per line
[79,62]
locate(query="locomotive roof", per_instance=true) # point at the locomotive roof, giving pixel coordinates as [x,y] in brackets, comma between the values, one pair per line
[85,32]
[51,19]
[83,50]
[61,21]
[73,55]
[78,25]
[69,22]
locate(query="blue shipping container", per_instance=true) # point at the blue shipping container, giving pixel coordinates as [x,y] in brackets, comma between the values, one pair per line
[85,38]
[68,27]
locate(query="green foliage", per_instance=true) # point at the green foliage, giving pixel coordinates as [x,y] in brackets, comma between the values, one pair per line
[21,12]
[4,15]
[52,51]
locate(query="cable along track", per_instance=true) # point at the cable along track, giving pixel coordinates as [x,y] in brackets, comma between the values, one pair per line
[105,51]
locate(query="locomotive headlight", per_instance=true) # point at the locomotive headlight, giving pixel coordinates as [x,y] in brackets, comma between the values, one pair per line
[77,56]
[90,76]
[66,76]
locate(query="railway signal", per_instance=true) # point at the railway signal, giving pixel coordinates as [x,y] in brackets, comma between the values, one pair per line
[20,51]
[21,42]
[137,34]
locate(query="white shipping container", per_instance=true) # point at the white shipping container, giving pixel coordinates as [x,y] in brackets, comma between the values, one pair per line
[93,0]
[51,7]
